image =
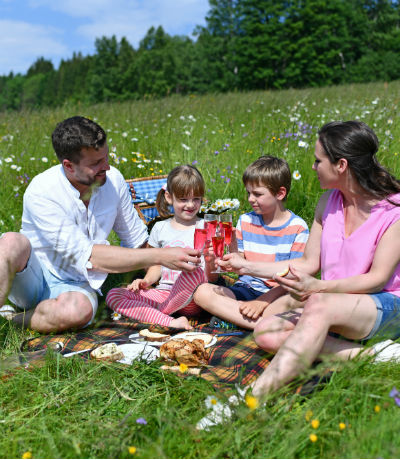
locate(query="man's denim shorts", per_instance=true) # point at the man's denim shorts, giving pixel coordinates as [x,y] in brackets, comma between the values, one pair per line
[387,322]
[244,292]
[35,283]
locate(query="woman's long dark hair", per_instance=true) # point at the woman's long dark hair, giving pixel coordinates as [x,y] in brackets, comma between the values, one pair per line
[357,143]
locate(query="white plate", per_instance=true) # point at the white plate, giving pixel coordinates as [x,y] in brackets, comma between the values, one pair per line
[136,338]
[142,351]
[191,335]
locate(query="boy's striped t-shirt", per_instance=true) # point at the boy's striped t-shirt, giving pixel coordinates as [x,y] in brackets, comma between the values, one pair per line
[261,243]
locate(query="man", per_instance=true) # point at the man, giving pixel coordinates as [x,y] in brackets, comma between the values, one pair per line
[61,257]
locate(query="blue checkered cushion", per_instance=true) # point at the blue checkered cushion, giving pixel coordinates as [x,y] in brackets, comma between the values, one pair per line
[146,192]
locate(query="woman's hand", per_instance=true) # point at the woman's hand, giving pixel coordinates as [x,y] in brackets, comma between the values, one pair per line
[138,284]
[298,284]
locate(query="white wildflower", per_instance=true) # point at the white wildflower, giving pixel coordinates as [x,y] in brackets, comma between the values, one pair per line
[302,144]
[296,175]
[186,147]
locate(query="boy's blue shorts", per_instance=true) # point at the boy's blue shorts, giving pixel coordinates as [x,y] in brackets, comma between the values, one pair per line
[244,292]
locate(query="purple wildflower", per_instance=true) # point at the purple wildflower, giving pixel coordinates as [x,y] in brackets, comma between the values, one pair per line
[141,421]
[194,162]
[394,392]
[216,152]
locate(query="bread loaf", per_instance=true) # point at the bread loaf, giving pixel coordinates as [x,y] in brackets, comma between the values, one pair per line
[153,336]
[107,352]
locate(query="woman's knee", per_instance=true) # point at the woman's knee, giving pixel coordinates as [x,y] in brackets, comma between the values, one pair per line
[266,334]
[317,305]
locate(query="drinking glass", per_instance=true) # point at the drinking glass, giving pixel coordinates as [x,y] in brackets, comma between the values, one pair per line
[200,235]
[211,223]
[226,222]
[218,245]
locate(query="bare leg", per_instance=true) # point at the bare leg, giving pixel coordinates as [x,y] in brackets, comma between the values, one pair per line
[221,301]
[15,250]
[299,344]
[68,311]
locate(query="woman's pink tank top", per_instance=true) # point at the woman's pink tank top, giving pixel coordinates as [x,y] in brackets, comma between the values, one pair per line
[344,257]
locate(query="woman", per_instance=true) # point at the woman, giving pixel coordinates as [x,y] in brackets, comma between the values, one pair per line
[355,242]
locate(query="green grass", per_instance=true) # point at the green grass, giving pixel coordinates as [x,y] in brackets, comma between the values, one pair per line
[74,409]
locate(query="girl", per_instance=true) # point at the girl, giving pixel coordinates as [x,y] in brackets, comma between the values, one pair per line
[184,192]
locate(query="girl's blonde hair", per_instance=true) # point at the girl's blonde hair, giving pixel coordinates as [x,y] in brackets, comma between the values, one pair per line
[182,181]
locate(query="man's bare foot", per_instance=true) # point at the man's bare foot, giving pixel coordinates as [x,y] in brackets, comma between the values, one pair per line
[181,323]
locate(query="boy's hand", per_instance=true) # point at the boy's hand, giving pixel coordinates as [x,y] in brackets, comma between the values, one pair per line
[252,309]
[137,284]
[233,263]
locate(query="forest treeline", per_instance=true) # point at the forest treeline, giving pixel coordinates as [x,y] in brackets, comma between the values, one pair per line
[245,45]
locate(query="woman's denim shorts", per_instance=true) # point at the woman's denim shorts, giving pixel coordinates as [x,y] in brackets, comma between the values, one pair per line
[387,322]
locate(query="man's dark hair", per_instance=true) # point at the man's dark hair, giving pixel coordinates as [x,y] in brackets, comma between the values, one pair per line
[73,134]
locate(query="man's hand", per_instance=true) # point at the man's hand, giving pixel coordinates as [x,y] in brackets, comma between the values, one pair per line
[252,309]
[180,259]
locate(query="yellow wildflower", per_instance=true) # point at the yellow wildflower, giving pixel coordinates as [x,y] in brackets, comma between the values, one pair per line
[313,437]
[315,424]
[183,368]
[342,426]
[377,408]
[252,402]
[27,454]
[132,450]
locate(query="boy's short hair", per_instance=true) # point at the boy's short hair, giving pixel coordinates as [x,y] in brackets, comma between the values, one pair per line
[269,171]
[73,134]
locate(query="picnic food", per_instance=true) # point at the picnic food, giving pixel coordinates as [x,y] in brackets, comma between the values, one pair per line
[283,272]
[177,370]
[107,352]
[153,336]
[191,336]
[185,352]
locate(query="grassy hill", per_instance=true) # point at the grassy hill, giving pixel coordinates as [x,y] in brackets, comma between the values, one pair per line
[73,409]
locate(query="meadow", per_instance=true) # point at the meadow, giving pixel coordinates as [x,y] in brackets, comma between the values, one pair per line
[77,409]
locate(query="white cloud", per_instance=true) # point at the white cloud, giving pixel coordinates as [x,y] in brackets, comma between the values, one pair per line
[131,18]
[22,43]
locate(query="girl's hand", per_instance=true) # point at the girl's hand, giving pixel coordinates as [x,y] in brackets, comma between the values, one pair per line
[137,284]
[299,285]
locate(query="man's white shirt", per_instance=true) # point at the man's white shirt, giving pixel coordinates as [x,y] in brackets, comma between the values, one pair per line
[62,230]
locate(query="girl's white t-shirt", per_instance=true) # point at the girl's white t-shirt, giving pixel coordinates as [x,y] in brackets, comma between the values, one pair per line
[164,235]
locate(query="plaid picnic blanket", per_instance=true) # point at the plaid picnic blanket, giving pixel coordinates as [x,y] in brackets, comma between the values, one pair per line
[233,359]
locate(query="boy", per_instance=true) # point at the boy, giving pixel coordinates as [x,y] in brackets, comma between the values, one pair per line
[269,233]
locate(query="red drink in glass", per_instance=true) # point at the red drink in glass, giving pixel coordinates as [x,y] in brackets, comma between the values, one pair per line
[211,226]
[218,245]
[227,226]
[200,236]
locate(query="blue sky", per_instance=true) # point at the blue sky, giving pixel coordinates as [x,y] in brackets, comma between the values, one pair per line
[55,29]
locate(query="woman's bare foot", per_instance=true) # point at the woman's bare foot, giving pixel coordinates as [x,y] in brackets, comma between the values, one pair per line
[181,323]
